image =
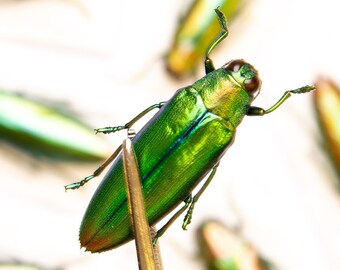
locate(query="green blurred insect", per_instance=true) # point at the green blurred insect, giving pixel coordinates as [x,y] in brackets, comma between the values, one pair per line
[182,143]
[327,107]
[196,32]
[21,265]
[223,249]
[44,130]
[14,266]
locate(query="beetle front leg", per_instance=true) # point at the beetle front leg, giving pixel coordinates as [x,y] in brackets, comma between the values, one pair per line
[162,230]
[208,63]
[256,111]
[129,124]
[188,216]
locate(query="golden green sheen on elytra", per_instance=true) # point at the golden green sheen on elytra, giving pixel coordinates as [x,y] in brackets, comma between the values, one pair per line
[46,131]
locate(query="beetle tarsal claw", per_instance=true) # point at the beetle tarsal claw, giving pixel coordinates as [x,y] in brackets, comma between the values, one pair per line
[188,217]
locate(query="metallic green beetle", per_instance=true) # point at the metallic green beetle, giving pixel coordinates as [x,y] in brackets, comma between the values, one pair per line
[47,131]
[176,149]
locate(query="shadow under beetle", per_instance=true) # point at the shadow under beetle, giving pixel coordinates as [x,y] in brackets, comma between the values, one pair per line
[175,150]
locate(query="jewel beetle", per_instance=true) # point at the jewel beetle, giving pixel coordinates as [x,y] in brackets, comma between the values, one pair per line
[180,145]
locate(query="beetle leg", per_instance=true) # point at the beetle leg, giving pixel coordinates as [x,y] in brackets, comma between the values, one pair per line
[96,172]
[188,216]
[162,230]
[107,130]
[115,154]
[189,202]
[256,111]
[208,63]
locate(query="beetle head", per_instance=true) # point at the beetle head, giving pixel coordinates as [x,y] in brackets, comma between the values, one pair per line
[245,75]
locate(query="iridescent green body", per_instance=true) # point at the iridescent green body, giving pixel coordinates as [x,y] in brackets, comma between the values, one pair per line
[175,150]
[196,31]
[44,130]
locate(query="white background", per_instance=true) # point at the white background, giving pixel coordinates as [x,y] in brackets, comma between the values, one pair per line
[105,60]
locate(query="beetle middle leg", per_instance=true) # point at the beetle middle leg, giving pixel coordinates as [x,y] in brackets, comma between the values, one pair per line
[188,216]
[208,63]
[129,124]
[115,154]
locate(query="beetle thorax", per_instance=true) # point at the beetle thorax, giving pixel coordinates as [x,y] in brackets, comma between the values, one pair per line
[223,96]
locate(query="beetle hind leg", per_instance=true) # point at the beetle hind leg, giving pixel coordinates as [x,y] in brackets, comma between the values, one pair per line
[188,216]
[96,172]
[162,230]
[189,203]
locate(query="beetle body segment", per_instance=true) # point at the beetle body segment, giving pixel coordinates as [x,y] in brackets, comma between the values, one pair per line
[174,150]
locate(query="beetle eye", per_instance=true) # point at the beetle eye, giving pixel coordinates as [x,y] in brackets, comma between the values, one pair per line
[234,65]
[252,85]
[245,74]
